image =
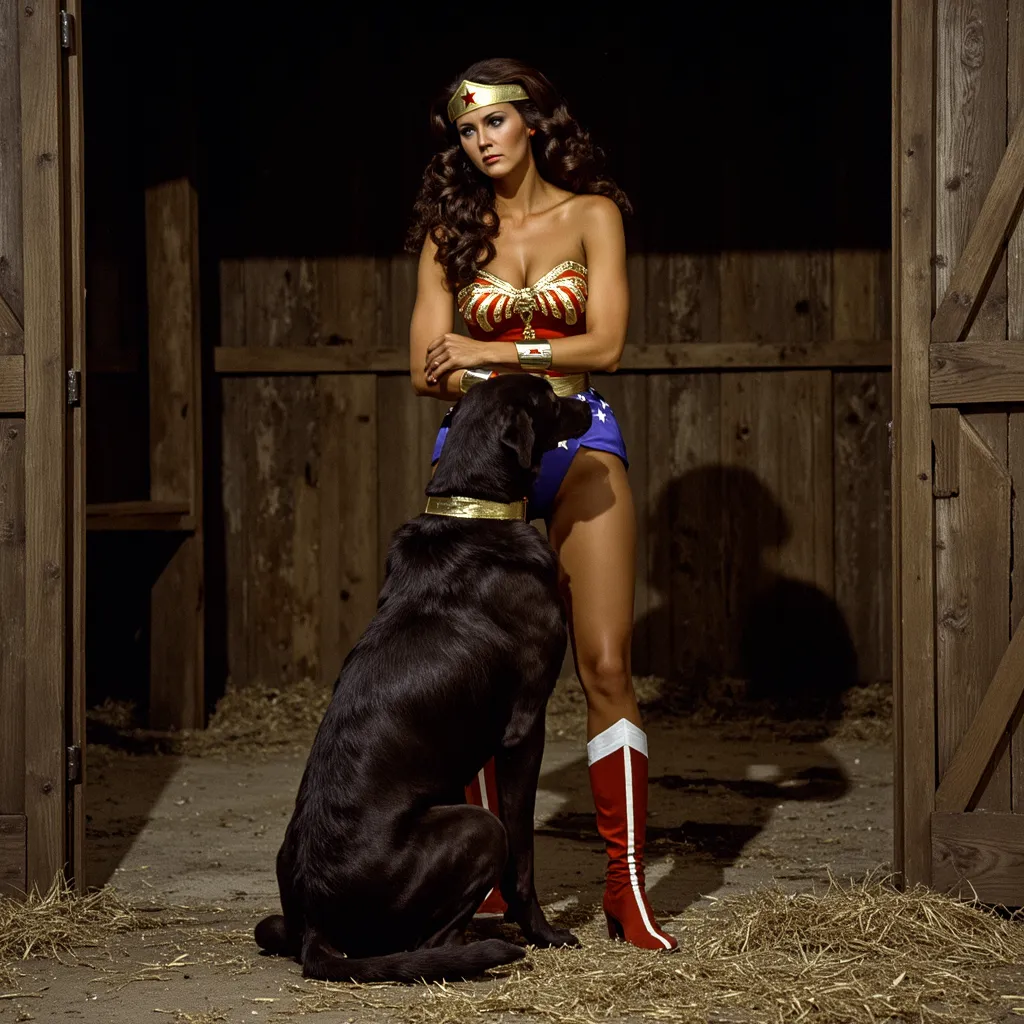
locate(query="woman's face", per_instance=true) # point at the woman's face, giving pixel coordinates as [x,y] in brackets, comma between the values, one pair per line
[495,138]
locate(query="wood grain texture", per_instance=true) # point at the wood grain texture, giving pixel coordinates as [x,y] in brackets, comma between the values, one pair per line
[978,856]
[680,299]
[913,568]
[862,407]
[972,596]
[11,266]
[45,442]
[1015,329]
[349,516]
[12,600]
[946,441]
[12,384]
[12,855]
[177,600]
[352,299]
[234,441]
[658,503]
[976,373]
[970,140]
[282,468]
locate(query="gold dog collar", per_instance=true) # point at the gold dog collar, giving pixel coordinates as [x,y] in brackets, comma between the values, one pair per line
[476,508]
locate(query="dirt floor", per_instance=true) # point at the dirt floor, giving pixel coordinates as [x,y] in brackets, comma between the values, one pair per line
[733,806]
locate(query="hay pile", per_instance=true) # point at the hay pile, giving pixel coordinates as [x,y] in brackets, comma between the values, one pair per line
[862,953]
[60,923]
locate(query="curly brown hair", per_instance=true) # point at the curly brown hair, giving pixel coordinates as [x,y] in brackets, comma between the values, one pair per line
[455,205]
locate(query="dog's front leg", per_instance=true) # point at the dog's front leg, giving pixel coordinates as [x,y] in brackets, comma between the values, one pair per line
[517,771]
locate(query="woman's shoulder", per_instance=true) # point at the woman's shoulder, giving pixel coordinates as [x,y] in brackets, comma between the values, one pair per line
[597,211]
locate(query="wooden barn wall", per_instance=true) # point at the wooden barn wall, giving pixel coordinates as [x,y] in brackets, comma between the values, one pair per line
[747,483]
[979,95]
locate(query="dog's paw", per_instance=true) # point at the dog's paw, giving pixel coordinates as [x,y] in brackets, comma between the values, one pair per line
[553,938]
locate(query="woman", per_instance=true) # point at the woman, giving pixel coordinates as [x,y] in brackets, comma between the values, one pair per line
[516,222]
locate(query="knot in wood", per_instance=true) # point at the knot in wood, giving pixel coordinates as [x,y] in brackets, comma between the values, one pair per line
[52,570]
[972,50]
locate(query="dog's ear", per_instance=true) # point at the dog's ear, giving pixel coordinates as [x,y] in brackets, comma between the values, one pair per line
[518,435]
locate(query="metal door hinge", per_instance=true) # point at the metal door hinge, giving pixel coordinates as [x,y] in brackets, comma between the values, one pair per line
[74,764]
[74,387]
[67,32]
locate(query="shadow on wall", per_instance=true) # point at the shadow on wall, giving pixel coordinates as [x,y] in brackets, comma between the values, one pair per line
[724,610]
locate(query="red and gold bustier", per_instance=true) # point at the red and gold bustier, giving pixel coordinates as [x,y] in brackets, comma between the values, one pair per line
[553,307]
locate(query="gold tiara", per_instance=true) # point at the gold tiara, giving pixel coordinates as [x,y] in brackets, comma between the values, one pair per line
[471,95]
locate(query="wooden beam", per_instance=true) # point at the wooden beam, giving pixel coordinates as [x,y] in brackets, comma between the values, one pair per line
[177,600]
[979,854]
[12,384]
[45,441]
[986,731]
[9,323]
[12,854]
[984,247]
[163,516]
[268,360]
[976,372]
[913,556]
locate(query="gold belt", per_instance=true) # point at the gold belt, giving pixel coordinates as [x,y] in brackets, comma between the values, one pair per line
[570,384]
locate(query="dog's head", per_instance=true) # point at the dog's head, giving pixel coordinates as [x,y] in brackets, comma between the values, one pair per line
[500,430]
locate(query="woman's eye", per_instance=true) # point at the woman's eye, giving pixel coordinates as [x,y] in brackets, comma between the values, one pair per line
[496,121]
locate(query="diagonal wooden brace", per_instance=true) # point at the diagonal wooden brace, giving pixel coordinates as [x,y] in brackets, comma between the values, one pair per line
[984,248]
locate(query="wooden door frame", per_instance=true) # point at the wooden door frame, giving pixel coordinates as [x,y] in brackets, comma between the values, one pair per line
[934,371]
[53,321]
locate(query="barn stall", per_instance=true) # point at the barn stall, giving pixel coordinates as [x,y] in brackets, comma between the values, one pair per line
[244,365]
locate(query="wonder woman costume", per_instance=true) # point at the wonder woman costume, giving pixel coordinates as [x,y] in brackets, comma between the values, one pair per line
[555,306]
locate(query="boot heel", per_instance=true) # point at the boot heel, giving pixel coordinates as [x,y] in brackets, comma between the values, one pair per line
[615,930]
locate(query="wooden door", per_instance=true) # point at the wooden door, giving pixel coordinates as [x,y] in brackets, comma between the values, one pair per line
[42,511]
[958,387]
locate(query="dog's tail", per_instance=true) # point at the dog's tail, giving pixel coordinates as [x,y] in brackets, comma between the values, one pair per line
[272,935]
[322,961]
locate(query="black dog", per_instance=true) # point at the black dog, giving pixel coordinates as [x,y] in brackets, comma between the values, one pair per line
[383,864]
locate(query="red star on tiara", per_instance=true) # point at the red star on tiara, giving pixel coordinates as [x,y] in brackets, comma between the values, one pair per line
[468,97]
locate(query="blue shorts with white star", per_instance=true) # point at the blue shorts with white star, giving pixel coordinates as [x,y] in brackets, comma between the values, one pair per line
[604,435]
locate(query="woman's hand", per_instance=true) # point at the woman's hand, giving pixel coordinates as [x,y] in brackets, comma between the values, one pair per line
[453,352]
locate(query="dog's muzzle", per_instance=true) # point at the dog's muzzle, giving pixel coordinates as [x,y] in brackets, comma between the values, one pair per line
[476,508]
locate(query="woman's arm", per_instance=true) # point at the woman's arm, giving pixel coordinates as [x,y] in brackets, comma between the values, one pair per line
[604,244]
[431,318]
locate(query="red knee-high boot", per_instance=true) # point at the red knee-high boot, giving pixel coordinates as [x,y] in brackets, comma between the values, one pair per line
[618,780]
[483,792]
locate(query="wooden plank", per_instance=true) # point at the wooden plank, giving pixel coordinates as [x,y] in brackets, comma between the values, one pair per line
[11,264]
[914,27]
[862,408]
[970,140]
[946,441]
[983,251]
[262,360]
[863,531]
[45,442]
[350,302]
[398,305]
[348,522]
[979,856]
[76,530]
[627,395]
[636,272]
[234,446]
[12,600]
[1015,329]
[986,731]
[282,463]
[681,302]
[12,384]
[770,298]
[694,543]
[172,294]
[177,642]
[972,595]
[977,373]
[12,855]
[10,325]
